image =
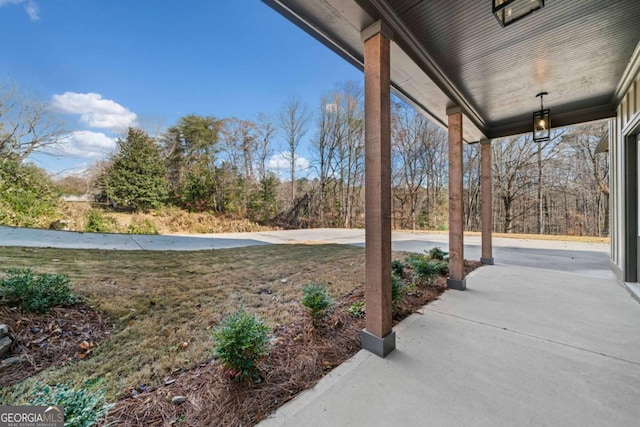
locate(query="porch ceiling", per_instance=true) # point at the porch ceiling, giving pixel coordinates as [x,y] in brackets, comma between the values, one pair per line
[447,53]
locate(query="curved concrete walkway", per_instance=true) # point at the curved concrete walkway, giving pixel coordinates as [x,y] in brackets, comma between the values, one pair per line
[546,337]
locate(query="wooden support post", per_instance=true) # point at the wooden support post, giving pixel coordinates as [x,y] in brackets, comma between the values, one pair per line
[456,278]
[377,336]
[486,201]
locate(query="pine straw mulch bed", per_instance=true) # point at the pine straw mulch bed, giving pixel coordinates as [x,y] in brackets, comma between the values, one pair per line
[62,336]
[299,357]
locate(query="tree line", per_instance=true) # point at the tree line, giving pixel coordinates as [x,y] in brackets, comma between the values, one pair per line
[222,165]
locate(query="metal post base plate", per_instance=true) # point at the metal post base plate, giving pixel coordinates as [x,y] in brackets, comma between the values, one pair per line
[457,284]
[378,346]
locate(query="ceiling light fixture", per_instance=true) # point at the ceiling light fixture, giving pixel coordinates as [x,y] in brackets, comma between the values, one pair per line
[509,11]
[541,122]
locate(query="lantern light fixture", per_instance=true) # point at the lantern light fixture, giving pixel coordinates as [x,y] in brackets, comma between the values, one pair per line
[509,11]
[541,122]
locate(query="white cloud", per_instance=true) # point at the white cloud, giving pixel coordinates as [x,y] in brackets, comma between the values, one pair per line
[95,111]
[282,161]
[32,10]
[31,7]
[87,144]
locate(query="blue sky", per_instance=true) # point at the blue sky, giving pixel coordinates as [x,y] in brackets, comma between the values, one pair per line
[106,64]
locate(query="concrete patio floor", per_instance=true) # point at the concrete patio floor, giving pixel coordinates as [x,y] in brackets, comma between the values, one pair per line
[546,337]
[520,347]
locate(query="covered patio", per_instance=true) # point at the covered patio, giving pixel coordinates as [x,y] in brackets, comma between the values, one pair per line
[479,79]
[521,346]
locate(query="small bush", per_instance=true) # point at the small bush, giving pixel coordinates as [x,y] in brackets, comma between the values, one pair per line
[423,268]
[36,293]
[357,309]
[441,267]
[316,298]
[397,268]
[241,341]
[397,290]
[438,254]
[99,223]
[83,407]
[142,226]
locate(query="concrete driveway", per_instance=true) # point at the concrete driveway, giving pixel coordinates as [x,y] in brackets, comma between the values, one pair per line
[586,258]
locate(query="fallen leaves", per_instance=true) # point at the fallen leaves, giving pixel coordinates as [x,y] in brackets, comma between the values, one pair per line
[62,336]
[85,348]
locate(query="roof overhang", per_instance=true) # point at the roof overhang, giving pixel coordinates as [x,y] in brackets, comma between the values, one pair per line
[446,54]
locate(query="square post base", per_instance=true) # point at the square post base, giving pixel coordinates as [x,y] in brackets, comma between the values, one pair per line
[457,284]
[486,261]
[376,345]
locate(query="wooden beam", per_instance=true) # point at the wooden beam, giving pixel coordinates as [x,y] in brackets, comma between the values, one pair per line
[456,278]
[377,336]
[486,201]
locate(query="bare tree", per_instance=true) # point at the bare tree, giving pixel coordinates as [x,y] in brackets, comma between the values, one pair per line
[240,140]
[324,146]
[294,123]
[592,176]
[339,155]
[512,174]
[266,132]
[419,165]
[27,124]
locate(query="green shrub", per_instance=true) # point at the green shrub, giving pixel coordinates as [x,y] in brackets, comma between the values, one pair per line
[99,223]
[317,300]
[28,198]
[144,226]
[397,290]
[397,268]
[357,309]
[36,293]
[423,268]
[241,341]
[441,267]
[438,254]
[82,407]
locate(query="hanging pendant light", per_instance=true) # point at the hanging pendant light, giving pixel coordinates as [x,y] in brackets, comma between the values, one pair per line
[541,122]
[509,11]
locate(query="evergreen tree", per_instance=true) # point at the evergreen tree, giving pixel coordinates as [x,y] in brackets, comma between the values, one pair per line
[137,176]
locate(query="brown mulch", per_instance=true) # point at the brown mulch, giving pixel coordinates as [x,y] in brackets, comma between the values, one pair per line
[62,336]
[299,357]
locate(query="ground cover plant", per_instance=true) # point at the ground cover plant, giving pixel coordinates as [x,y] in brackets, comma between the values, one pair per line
[159,310]
[36,292]
[83,407]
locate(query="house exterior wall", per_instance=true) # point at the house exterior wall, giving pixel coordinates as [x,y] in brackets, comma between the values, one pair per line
[626,123]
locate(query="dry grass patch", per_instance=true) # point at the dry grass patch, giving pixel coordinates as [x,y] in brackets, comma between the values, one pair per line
[166,220]
[162,305]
